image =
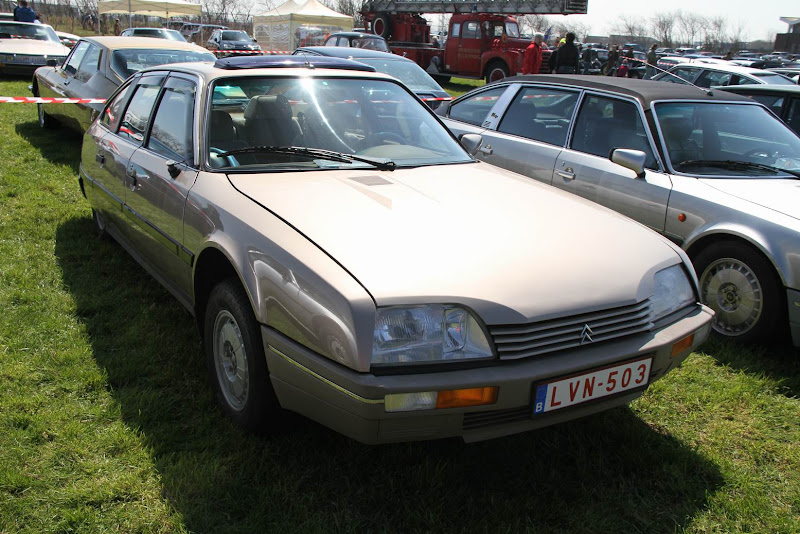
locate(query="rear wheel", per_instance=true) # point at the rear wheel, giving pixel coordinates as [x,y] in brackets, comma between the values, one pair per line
[45,120]
[496,71]
[742,288]
[235,359]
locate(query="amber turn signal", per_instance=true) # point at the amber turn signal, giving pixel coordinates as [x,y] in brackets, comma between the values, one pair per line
[458,398]
[682,345]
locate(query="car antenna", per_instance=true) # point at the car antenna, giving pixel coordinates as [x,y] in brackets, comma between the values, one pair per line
[309,65]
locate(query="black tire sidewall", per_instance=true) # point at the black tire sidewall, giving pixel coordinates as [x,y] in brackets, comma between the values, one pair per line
[493,67]
[229,295]
[771,322]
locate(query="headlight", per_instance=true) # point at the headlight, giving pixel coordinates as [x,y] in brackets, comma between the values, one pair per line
[418,334]
[226,46]
[673,291]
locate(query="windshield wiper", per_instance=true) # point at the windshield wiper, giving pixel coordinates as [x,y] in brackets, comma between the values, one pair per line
[314,153]
[734,164]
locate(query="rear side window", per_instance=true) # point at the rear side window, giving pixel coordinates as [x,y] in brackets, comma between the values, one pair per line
[137,116]
[684,73]
[604,124]
[540,114]
[711,78]
[473,110]
[793,116]
[773,102]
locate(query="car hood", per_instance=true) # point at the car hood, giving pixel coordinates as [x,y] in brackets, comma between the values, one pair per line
[510,248]
[33,47]
[778,195]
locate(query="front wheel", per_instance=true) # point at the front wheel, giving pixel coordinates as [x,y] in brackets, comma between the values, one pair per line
[237,368]
[741,287]
[496,71]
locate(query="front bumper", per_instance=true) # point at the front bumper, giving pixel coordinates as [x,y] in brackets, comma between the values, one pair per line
[352,403]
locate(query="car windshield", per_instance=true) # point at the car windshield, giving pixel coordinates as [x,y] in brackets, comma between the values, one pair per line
[721,139]
[370,43]
[373,120]
[130,60]
[159,33]
[408,72]
[512,30]
[38,32]
[773,78]
[235,35]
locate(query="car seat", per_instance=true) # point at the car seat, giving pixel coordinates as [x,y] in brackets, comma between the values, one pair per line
[269,122]
[677,132]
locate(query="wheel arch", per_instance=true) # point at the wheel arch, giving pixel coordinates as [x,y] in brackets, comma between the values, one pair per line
[742,236]
[212,266]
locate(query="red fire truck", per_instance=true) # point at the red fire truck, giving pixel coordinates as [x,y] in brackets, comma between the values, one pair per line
[483,39]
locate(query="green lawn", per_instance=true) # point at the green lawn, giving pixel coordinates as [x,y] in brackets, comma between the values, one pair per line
[107,425]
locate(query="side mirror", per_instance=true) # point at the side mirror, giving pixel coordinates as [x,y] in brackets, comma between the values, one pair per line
[254,40]
[630,159]
[173,169]
[52,63]
[470,142]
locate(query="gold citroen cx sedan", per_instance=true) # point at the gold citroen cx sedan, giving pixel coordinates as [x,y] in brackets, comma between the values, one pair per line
[346,258]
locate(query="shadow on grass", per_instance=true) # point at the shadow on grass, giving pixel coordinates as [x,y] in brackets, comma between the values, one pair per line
[780,362]
[606,473]
[61,146]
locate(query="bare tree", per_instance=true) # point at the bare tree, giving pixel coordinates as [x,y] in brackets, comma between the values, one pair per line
[715,33]
[531,24]
[662,27]
[737,36]
[690,25]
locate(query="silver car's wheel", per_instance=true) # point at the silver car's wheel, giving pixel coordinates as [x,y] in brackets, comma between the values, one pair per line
[235,358]
[733,291]
[739,284]
[230,361]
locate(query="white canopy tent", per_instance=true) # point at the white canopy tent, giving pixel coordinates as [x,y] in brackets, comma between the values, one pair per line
[298,23]
[154,8]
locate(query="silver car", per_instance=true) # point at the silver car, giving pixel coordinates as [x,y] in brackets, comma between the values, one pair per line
[348,260]
[715,173]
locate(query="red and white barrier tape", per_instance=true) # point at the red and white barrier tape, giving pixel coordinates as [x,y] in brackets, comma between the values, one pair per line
[40,100]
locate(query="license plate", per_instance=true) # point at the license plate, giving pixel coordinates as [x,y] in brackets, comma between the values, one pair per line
[590,386]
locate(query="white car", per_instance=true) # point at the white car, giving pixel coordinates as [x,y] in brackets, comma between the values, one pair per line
[717,74]
[25,46]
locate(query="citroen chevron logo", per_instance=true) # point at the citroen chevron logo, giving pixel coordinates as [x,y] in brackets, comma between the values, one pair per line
[586,335]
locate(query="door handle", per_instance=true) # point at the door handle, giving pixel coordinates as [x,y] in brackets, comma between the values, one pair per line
[486,150]
[567,174]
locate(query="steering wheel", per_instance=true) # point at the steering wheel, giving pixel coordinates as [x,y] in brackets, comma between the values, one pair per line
[761,152]
[218,153]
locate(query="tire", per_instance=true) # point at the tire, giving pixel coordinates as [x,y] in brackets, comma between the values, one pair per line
[237,368]
[742,288]
[496,70]
[382,25]
[45,120]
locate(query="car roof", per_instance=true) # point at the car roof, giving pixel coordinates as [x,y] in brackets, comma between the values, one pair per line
[356,34]
[645,91]
[764,88]
[347,51]
[118,43]
[723,67]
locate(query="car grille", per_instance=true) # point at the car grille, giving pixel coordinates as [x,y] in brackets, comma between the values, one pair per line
[25,59]
[475,420]
[535,339]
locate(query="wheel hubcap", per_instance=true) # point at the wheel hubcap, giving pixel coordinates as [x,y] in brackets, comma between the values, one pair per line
[230,360]
[497,74]
[733,291]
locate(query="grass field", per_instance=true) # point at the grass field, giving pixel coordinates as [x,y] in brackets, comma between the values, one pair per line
[107,425]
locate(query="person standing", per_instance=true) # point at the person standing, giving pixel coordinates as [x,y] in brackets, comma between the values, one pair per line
[532,57]
[586,57]
[568,59]
[652,59]
[611,63]
[22,13]
[117,27]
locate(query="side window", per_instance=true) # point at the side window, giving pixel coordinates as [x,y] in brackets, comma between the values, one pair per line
[134,122]
[331,41]
[773,102]
[89,65]
[171,135]
[687,74]
[540,114]
[74,59]
[604,124]
[473,110]
[113,112]
[456,30]
[472,30]
[743,80]
[711,77]
[793,116]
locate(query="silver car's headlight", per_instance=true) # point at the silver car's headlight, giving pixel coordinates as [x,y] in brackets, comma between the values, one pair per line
[673,291]
[420,334]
